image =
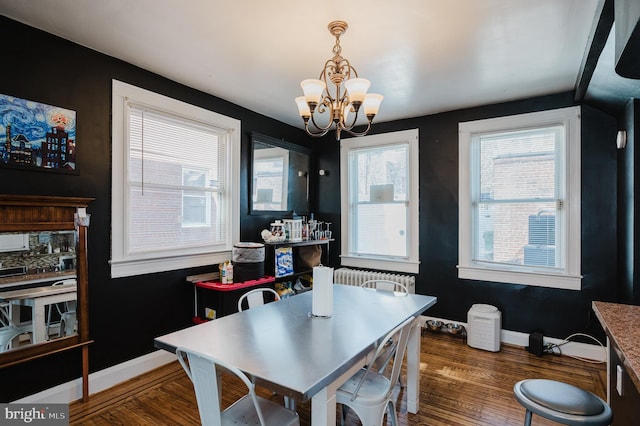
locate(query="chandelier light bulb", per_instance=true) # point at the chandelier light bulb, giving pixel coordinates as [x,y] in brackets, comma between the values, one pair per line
[357,89]
[372,104]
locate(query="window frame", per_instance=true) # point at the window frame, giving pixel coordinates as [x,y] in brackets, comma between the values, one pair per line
[125,264]
[570,276]
[411,263]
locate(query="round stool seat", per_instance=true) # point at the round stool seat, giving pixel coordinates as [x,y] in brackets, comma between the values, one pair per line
[561,402]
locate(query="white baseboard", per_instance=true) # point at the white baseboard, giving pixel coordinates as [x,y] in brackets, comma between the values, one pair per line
[591,352]
[101,380]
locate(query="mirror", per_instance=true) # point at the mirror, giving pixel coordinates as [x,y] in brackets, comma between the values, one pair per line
[279,176]
[38,287]
[43,277]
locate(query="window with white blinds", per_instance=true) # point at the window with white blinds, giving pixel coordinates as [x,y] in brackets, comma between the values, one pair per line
[520,199]
[379,177]
[174,178]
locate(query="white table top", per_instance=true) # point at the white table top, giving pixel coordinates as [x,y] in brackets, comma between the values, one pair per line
[279,344]
[36,292]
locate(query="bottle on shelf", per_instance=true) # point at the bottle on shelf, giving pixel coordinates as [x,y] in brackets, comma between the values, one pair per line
[229,273]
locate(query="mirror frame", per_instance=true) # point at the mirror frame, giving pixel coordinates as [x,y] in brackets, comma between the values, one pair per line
[31,213]
[280,143]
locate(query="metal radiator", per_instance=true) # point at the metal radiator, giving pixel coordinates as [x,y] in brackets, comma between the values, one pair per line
[358,276]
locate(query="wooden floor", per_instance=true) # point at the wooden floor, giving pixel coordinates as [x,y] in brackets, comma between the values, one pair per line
[459,386]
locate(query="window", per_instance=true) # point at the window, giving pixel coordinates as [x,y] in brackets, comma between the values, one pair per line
[175,183]
[379,190]
[520,199]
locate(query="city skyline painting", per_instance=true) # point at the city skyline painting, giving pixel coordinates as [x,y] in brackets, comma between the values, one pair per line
[35,135]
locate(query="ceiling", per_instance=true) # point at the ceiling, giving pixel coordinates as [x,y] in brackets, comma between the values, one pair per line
[424,56]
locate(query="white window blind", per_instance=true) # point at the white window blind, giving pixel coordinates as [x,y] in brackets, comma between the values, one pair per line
[175,183]
[379,190]
[380,200]
[165,200]
[518,197]
[519,218]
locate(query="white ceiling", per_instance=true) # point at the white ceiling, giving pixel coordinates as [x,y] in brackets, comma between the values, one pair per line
[424,56]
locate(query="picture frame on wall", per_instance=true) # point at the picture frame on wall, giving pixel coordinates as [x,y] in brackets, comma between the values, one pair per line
[37,136]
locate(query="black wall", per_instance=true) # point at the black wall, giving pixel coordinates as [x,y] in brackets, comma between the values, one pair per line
[126,314]
[558,313]
[628,215]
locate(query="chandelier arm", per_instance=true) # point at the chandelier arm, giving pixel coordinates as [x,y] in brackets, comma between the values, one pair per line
[364,132]
[353,122]
[315,134]
[329,110]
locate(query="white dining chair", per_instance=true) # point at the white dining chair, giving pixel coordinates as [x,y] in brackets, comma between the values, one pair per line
[250,409]
[66,311]
[9,330]
[386,285]
[369,392]
[256,298]
[398,289]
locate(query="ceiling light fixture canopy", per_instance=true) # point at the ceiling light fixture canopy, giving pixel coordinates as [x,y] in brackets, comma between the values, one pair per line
[339,92]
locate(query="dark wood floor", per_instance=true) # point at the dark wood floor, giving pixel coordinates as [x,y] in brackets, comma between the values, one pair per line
[459,386]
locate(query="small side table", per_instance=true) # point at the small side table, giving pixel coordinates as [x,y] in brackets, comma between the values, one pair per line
[223,297]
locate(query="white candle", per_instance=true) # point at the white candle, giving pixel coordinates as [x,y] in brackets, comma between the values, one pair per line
[322,291]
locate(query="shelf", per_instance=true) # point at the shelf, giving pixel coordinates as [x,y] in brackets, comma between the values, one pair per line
[298,243]
[216,285]
[294,275]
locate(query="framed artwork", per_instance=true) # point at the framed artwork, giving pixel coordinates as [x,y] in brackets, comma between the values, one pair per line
[36,136]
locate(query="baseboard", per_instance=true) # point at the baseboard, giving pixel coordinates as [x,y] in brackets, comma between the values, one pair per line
[591,352]
[109,377]
[101,380]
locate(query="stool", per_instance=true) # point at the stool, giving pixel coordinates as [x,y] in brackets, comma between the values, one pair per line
[562,403]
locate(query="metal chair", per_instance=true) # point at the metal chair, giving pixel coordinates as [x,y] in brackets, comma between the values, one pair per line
[398,290]
[9,330]
[249,409]
[562,403]
[256,297]
[386,285]
[67,313]
[369,392]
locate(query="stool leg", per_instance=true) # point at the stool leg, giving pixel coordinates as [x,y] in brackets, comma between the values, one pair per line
[527,418]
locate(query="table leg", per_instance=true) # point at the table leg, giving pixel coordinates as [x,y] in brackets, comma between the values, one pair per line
[39,321]
[413,368]
[85,373]
[323,403]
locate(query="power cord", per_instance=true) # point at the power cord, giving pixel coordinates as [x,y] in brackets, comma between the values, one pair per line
[555,348]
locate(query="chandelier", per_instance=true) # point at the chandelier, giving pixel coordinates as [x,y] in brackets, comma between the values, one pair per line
[339,93]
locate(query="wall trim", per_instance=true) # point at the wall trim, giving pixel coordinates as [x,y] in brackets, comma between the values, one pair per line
[101,380]
[591,352]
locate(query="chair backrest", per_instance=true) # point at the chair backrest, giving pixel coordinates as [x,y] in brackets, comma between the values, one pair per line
[400,334]
[385,285]
[256,297]
[69,306]
[201,370]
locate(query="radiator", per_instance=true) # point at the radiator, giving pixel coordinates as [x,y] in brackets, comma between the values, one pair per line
[358,276]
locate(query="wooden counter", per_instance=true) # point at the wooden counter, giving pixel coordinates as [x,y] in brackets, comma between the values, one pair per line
[620,322]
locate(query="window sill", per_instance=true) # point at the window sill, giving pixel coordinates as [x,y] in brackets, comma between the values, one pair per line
[566,282]
[407,266]
[128,268]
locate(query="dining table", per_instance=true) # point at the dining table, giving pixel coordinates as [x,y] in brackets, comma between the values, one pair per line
[37,298]
[284,347]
